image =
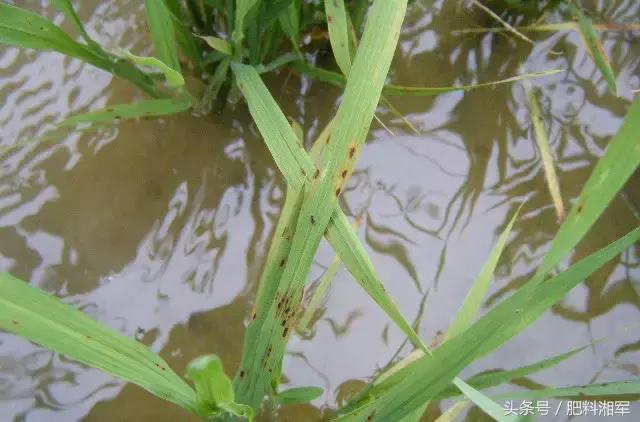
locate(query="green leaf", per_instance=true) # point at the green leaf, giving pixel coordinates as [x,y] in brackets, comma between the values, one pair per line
[162,33]
[453,412]
[545,152]
[490,407]
[337,79]
[45,320]
[182,26]
[615,388]
[593,44]
[21,28]
[619,162]
[211,383]
[143,108]
[319,199]
[338,33]
[290,23]
[66,8]
[472,302]
[237,36]
[493,379]
[298,395]
[173,77]
[218,44]
[424,378]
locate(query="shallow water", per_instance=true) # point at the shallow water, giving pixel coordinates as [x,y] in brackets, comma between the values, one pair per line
[159,227]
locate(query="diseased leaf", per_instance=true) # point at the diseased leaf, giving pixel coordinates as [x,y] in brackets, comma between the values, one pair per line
[143,108]
[545,152]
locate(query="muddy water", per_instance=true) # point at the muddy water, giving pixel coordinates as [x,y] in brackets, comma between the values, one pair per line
[159,228]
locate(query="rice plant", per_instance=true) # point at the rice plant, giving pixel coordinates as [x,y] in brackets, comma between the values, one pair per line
[233,56]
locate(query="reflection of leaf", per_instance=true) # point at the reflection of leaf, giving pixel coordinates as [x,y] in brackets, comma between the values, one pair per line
[393,248]
[349,390]
[628,348]
[340,330]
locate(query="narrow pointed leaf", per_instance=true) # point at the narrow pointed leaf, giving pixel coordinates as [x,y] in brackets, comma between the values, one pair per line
[615,388]
[338,33]
[66,8]
[593,44]
[218,44]
[143,108]
[45,320]
[298,395]
[472,302]
[619,162]
[21,28]
[162,33]
[173,77]
[545,152]
[422,380]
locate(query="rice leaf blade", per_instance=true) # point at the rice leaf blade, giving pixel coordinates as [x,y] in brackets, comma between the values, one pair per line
[423,379]
[614,388]
[45,320]
[619,162]
[593,44]
[143,108]
[66,8]
[162,33]
[173,77]
[473,300]
[338,33]
[542,141]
